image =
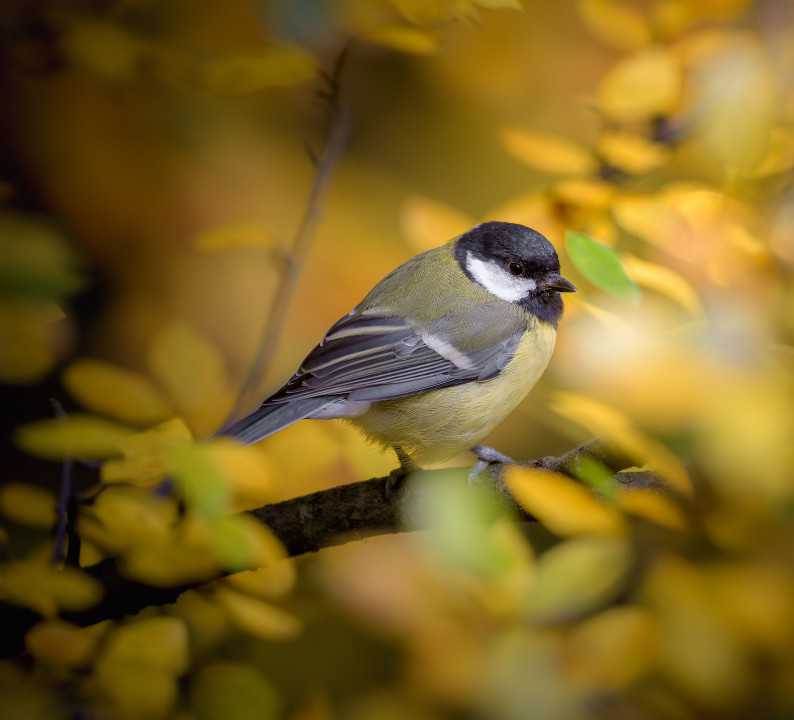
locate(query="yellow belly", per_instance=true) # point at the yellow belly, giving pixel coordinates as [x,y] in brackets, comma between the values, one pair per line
[439,424]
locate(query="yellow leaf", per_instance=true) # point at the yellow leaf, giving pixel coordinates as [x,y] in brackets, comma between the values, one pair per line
[651,505]
[136,691]
[505,594]
[779,155]
[129,516]
[258,618]
[36,262]
[270,582]
[665,281]
[549,153]
[577,576]
[28,338]
[241,542]
[230,237]
[752,440]
[90,554]
[248,472]
[561,504]
[200,481]
[72,589]
[648,217]
[247,74]
[427,223]
[697,649]
[224,690]
[147,455]
[641,86]
[596,223]
[585,192]
[117,392]
[46,588]
[423,12]
[633,154]
[304,453]
[698,225]
[75,436]
[172,563]
[672,17]
[613,322]
[404,39]
[614,648]
[62,644]
[737,78]
[192,372]
[207,622]
[27,505]
[757,600]
[158,643]
[29,695]
[699,47]
[616,23]
[186,555]
[614,428]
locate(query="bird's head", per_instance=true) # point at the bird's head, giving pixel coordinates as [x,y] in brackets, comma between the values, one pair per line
[516,264]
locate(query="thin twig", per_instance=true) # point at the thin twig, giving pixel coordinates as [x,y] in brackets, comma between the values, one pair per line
[335,143]
[65,510]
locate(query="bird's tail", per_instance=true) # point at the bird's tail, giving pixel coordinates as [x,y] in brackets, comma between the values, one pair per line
[269,419]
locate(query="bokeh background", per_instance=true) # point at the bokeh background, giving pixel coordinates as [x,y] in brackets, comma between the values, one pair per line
[155,170]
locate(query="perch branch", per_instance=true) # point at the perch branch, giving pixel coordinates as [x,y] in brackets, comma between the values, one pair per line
[303,524]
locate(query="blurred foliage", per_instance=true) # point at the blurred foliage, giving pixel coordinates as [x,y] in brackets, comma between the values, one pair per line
[158,171]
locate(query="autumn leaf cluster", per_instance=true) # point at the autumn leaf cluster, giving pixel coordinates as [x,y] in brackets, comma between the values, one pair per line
[672,211]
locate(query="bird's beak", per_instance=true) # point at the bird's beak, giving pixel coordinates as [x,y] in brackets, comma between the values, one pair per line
[555,281]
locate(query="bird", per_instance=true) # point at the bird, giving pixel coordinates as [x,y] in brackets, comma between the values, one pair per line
[437,354]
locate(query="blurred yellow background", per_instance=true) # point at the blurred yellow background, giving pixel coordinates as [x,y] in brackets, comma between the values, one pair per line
[167,143]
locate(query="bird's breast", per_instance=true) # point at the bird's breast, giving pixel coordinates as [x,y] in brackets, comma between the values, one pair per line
[439,424]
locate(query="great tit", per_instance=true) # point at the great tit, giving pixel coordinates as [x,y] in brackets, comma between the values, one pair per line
[438,353]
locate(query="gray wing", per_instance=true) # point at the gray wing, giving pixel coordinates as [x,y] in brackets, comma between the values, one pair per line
[370,356]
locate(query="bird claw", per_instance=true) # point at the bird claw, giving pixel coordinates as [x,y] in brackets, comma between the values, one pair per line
[396,478]
[394,482]
[486,457]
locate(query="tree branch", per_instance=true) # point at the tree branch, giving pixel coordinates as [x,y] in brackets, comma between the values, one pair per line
[303,524]
[335,143]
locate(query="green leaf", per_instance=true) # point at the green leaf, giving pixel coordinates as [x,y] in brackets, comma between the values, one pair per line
[200,481]
[600,265]
[459,520]
[597,475]
[576,576]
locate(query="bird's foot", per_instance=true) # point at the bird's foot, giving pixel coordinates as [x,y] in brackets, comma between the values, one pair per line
[395,481]
[486,457]
[396,478]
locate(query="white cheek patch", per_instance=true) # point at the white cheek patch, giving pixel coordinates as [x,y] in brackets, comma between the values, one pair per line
[497,281]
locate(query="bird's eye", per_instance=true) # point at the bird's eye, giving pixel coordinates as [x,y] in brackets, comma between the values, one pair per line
[516,268]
